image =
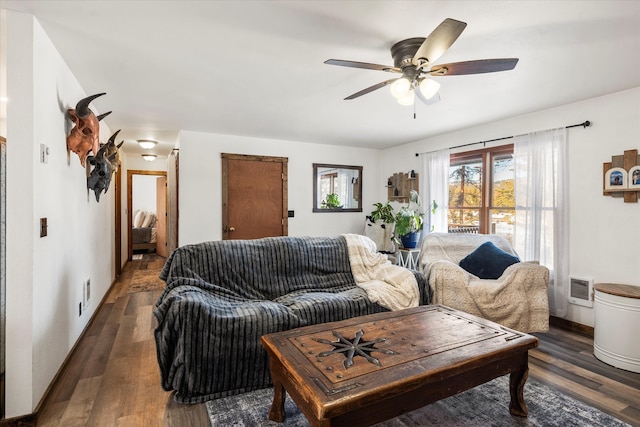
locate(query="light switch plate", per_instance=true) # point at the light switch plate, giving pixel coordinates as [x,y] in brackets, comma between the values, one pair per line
[44,153]
[43,227]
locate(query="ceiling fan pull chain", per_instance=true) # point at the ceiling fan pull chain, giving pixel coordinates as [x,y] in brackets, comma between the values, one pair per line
[414,111]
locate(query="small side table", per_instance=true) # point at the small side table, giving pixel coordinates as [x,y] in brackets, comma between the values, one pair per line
[617,316]
[408,258]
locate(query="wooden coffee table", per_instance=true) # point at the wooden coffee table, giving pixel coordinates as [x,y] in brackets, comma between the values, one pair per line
[368,369]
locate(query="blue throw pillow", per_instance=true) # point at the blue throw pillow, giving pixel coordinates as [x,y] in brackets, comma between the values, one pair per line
[488,261]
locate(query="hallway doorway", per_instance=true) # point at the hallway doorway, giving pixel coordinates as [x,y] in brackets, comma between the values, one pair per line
[146,239]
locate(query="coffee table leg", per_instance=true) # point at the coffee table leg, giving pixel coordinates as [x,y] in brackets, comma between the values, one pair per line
[517,406]
[277,407]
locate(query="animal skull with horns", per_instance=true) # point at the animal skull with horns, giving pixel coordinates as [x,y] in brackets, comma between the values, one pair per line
[84,136]
[104,163]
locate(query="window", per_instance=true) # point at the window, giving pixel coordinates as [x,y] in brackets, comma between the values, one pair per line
[481,198]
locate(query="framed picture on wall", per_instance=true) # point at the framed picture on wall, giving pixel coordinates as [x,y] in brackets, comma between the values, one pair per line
[615,179]
[634,177]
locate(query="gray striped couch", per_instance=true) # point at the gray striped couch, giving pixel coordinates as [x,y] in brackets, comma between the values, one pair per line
[222,296]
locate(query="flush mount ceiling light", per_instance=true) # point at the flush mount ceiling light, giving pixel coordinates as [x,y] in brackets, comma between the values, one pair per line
[149,157]
[147,144]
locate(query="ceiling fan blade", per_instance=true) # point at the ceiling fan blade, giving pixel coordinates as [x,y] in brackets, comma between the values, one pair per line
[365,65]
[438,42]
[474,67]
[370,89]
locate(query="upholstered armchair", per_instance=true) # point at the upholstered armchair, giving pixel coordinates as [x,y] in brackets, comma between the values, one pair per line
[516,296]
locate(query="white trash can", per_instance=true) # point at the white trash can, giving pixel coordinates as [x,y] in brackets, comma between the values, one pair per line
[616,339]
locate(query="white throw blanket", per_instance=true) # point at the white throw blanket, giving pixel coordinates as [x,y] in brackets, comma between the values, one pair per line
[391,286]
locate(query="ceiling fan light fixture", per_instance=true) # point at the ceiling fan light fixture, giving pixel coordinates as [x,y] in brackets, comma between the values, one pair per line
[147,144]
[149,157]
[413,58]
[407,99]
[429,88]
[400,87]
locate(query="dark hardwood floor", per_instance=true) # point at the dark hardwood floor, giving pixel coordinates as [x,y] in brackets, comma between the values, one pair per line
[565,361]
[113,379]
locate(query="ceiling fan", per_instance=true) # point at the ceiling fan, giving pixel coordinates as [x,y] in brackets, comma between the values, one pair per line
[414,59]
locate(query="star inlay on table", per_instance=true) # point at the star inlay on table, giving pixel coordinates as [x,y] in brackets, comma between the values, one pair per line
[353,347]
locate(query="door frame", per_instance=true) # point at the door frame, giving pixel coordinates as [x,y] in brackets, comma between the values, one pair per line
[225,187]
[3,285]
[130,174]
[118,218]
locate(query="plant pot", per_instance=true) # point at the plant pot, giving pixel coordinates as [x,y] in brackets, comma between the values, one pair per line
[410,241]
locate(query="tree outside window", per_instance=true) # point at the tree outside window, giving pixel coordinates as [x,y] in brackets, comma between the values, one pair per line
[481,197]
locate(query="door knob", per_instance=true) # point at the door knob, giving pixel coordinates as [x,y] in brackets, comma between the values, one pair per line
[232,229]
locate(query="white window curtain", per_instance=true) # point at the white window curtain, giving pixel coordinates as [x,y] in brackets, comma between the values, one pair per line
[542,211]
[434,180]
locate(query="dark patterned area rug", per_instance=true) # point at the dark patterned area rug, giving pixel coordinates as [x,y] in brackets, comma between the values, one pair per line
[486,405]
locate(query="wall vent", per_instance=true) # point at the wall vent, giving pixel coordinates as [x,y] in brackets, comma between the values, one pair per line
[581,291]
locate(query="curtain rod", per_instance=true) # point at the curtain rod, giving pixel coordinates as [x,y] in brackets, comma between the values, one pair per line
[584,124]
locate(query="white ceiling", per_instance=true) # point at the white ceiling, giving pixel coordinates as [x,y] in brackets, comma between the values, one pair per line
[255,68]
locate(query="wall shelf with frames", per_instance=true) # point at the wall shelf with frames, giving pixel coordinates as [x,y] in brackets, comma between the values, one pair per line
[626,166]
[399,186]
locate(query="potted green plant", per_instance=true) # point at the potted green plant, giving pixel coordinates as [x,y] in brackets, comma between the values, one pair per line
[409,220]
[332,202]
[383,213]
[380,227]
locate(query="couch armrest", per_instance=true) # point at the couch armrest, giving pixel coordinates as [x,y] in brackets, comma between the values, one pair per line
[528,274]
[426,293]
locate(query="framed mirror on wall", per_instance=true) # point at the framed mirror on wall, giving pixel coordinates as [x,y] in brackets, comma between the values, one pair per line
[337,188]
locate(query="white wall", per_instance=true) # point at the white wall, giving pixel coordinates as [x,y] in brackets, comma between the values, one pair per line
[3,72]
[45,275]
[605,232]
[200,188]
[143,195]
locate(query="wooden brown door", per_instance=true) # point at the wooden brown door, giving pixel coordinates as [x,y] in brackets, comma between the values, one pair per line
[254,196]
[161,215]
